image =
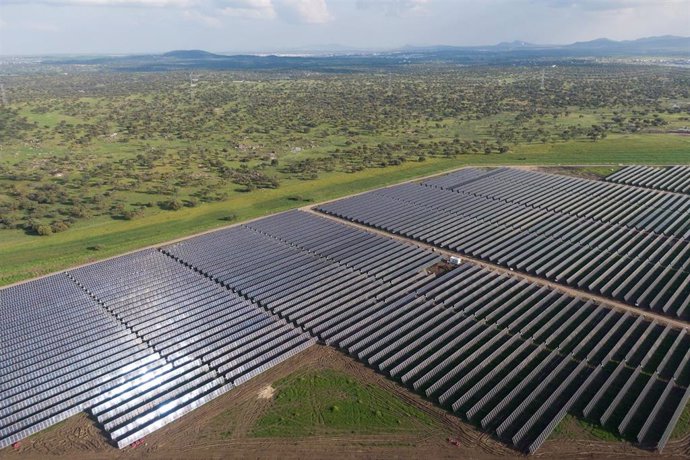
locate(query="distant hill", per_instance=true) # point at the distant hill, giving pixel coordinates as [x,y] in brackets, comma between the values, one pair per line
[516,44]
[601,46]
[649,45]
[191,54]
[514,53]
[599,43]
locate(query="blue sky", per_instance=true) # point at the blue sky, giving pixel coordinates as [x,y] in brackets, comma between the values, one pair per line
[132,26]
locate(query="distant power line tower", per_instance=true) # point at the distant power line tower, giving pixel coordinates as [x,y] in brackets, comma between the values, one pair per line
[192,84]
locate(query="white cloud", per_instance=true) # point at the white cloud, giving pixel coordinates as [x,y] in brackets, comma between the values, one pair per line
[395,7]
[142,3]
[310,11]
[603,5]
[208,11]
[201,18]
[253,9]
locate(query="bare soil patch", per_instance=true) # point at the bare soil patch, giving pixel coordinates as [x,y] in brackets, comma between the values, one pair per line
[266,392]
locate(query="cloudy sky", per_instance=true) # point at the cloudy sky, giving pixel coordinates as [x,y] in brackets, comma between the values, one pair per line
[131,26]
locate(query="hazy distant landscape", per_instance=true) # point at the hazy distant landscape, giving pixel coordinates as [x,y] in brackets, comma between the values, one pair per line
[670,50]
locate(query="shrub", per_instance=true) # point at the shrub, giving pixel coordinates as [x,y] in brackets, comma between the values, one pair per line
[131,214]
[171,205]
[59,226]
[8,222]
[229,217]
[300,198]
[44,230]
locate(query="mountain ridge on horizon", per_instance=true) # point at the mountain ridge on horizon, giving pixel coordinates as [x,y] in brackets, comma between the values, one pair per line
[516,52]
[649,44]
[597,42]
[661,41]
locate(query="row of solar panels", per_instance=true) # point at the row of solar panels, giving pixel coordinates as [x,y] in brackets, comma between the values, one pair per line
[192,323]
[61,354]
[317,274]
[156,339]
[633,207]
[509,355]
[138,341]
[672,178]
[514,358]
[642,268]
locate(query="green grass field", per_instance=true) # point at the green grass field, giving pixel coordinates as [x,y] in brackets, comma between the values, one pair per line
[330,402]
[682,428]
[26,256]
[572,427]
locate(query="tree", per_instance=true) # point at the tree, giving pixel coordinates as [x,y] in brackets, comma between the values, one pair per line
[44,230]
[59,226]
[171,205]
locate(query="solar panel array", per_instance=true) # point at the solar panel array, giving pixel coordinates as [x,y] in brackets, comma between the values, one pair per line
[626,243]
[631,207]
[139,341]
[142,339]
[514,357]
[188,339]
[504,353]
[318,274]
[213,339]
[672,178]
[61,354]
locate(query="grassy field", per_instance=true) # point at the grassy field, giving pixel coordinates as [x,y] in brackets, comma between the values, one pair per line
[572,427]
[682,428]
[26,256]
[330,402]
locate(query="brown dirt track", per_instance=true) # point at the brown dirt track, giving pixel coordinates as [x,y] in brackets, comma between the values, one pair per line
[221,429]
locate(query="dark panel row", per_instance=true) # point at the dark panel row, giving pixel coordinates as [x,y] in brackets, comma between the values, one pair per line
[514,358]
[313,272]
[379,257]
[672,178]
[633,207]
[643,269]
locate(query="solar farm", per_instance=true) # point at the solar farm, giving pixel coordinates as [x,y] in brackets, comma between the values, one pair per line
[508,297]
